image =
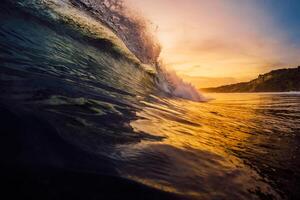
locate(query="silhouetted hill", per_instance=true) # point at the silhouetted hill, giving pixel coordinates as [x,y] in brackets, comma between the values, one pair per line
[281,80]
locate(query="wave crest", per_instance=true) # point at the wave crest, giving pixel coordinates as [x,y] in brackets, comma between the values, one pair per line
[134,30]
[131,35]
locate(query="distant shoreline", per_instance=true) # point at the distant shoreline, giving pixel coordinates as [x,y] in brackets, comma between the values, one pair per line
[281,80]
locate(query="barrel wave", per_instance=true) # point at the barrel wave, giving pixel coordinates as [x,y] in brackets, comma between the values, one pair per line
[89,112]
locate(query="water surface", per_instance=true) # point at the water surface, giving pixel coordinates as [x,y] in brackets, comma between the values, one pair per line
[69,103]
[234,146]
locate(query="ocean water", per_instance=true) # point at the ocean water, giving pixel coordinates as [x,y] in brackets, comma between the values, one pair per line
[237,146]
[81,119]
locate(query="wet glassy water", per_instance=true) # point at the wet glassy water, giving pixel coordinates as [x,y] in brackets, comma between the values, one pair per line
[236,146]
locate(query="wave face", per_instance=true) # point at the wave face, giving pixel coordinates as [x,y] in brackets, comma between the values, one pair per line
[84,84]
[112,22]
[76,96]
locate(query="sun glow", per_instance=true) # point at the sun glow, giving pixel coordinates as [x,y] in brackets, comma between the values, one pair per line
[219,39]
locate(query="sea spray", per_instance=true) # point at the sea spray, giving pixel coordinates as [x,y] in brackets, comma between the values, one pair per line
[135,31]
[129,33]
[170,82]
[139,36]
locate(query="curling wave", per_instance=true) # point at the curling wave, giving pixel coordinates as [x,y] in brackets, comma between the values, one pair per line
[85,107]
[129,35]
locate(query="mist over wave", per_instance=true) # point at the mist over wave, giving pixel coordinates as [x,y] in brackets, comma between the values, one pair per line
[138,34]
[170,82]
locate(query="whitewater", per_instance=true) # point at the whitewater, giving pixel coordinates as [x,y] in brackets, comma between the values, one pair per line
[128,35]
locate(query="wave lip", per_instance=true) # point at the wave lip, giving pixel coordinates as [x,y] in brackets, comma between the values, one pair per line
[132,29]
[136,34]
[128,33]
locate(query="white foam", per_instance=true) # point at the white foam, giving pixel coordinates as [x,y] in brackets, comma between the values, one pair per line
[171,83]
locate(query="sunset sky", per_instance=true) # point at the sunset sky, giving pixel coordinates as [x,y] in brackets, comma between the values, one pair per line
[215,42]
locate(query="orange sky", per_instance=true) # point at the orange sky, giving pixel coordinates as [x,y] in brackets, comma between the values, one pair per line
[218,39]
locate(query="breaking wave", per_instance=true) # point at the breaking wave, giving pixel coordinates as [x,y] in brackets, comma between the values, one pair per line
[110,21]
[85,107]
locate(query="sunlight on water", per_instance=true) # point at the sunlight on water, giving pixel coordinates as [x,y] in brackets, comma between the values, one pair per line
[82,106]
[230,140]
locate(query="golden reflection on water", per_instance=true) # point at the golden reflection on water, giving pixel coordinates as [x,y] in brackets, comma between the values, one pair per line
[206,126]
[208,140]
